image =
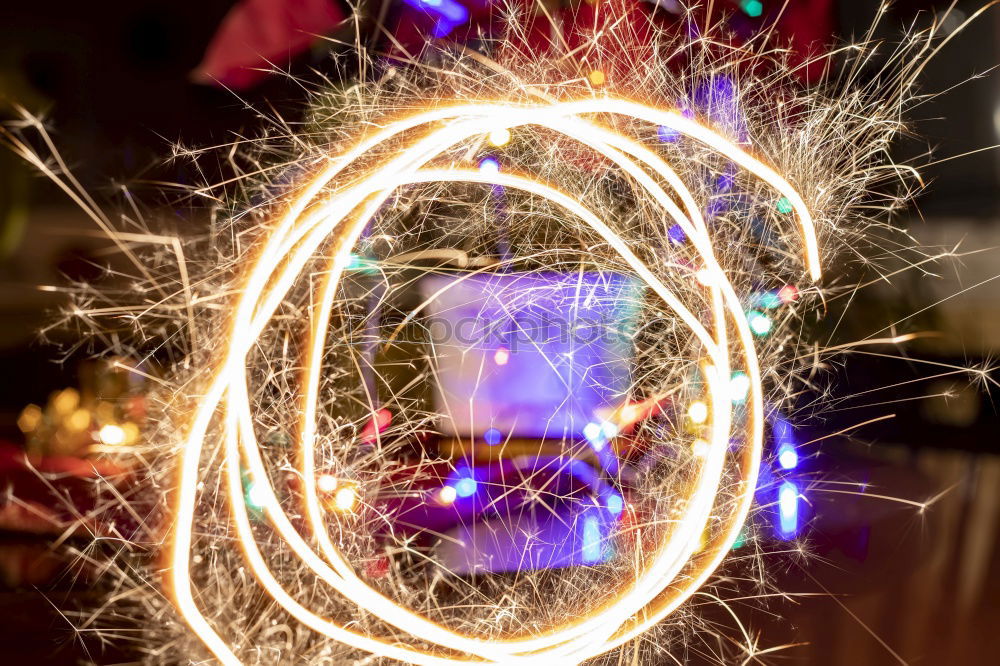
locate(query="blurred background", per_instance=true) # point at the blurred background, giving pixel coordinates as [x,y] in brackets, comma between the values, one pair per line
[121,84]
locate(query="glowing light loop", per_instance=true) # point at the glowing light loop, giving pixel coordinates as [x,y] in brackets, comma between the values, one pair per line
[328,212]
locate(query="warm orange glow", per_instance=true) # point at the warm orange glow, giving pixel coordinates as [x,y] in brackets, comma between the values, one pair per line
[341,214]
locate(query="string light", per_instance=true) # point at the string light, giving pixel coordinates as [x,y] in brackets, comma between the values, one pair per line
[256,495]
[447,495]
[501,356]
[499,137]
[591,539]
[112,435]
[739,387]
[326,483]
[788,294]
[698,412]
[615,504]
[788,458]
[489,166]
[788,508]
[345,498]
[752,8]
[759,322]
[466,487]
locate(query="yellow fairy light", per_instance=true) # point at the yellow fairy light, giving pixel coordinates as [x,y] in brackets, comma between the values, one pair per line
[698,412]
[29,418]
[79,420]
[499,137]
[65,401]
[112,435]
[131,432]
[704,277]
[673,572]
[447,495]
[345,498]
[326,483]
[597,77]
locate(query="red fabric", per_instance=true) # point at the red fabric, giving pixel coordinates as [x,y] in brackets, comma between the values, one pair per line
[810,25]
[43,495]
[257,34]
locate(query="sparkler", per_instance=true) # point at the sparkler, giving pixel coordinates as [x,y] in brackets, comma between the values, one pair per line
[299,234]
[303,464]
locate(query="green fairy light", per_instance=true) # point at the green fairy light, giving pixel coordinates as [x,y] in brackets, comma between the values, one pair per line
[752,8]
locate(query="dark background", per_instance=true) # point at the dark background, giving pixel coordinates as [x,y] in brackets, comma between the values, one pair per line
[897,585]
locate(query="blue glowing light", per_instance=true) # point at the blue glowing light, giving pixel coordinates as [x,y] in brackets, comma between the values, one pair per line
[595,435]
[615,504]
[788,458]
[591,539]
[492,436]
[449,14]
[768,299]
[667,134]
[752,8]
[784,440]
[739,387]
[255,495]
[725,181]
[759,322]
[788,508]
[466,487]
[489,165]
[676,234]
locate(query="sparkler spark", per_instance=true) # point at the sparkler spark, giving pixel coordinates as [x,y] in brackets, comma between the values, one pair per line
[296,238]
[319,497]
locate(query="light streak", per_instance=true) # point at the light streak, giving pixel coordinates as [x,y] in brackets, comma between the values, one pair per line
[788,509]
[327,211]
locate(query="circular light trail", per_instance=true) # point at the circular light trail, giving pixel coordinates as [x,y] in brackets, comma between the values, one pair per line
[328,211]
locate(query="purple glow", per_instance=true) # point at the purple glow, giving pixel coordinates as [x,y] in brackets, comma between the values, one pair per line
[615,504]
[725,181]
[466,487]
[719,100]
[784,440]
[567,344]
[489,165]
[676,234]
[591,539]
[449,14]
[525,543]
[788,509]
[667,134]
